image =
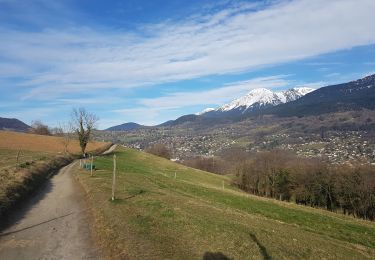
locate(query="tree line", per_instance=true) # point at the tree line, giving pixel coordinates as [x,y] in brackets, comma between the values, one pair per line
[349,189]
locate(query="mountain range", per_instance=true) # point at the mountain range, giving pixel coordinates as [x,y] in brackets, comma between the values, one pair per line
[353,95]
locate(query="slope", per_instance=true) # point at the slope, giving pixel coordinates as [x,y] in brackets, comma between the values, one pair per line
[124,127]
[158,216]
[13,124]
[354,95]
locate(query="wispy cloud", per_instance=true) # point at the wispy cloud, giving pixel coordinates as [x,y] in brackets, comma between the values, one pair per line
[56,62]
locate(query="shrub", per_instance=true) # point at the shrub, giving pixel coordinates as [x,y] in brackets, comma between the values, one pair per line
[159,150]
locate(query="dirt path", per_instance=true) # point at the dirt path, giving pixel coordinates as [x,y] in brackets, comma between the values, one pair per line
[52,225]
[111,149]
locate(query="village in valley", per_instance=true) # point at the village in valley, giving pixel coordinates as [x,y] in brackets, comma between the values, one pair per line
[335,146]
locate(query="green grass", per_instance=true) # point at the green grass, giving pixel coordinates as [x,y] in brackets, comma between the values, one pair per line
[156,216]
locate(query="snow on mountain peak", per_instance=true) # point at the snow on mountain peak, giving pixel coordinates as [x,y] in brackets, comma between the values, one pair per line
[303,90]
[293,94]
[205,111]
[261,97]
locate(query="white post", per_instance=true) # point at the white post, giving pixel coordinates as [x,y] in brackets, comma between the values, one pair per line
[92,161]
[80,163]
[114,177]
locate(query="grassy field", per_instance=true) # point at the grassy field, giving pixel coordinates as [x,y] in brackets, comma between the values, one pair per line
[37,156]
[158,216]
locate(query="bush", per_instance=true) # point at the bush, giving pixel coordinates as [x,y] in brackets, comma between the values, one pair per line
[159,150]
[37,127]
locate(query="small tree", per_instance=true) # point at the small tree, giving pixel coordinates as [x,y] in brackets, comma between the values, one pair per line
[37,127]
[64,130]
[83,123]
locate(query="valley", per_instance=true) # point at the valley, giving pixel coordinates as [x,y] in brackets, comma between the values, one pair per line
[338,137]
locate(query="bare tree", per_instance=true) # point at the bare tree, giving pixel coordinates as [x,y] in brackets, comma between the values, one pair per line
[83,123]
[64,130]
[37,127]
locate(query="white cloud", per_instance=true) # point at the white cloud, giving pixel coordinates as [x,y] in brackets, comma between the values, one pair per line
[56,63]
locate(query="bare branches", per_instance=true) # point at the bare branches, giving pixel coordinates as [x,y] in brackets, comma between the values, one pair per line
[37,127]
[82,124]
[65,130]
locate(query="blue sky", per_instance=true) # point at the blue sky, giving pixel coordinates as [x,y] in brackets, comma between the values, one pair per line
[152,61]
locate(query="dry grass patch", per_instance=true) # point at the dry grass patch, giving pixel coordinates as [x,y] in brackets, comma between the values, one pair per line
[52,144]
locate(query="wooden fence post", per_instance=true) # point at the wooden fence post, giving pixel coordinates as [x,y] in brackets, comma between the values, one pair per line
[114,177]
[92,161]
[18,156]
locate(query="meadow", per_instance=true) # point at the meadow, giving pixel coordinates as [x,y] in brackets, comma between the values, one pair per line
[165,210]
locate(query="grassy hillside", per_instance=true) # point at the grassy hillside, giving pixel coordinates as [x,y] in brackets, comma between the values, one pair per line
[158,216]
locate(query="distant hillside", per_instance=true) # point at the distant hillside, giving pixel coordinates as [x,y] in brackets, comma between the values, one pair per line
[13,124]
[354,95]
[125,127]
[181,120]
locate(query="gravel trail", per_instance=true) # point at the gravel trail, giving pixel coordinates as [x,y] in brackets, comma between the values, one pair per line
[53,224]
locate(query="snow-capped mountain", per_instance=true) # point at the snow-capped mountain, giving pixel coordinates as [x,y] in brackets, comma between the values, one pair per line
[294,93]
[258,99]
